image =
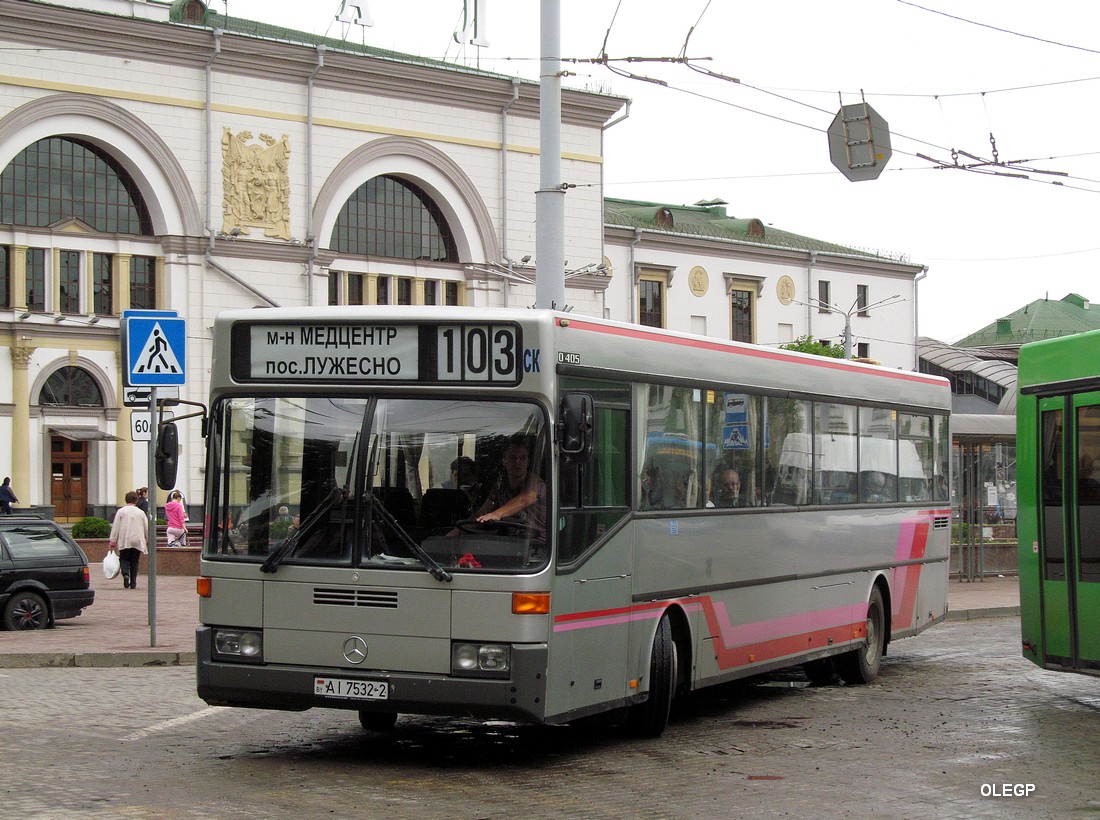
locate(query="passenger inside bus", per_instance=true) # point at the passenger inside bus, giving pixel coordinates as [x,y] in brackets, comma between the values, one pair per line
[726,487]
[653,491]
[463,476]
[875,487]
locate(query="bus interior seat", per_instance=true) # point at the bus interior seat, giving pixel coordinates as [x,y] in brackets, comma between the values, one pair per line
[442,507]
[398,502]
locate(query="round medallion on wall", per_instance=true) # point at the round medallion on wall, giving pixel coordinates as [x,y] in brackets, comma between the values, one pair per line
[698,281]
[784,289]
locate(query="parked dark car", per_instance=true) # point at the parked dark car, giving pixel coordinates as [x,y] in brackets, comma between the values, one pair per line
[43,574]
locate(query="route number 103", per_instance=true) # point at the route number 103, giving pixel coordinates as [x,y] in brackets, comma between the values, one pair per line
[478,353]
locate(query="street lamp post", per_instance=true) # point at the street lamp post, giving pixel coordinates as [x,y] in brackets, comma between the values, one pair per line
[847,314]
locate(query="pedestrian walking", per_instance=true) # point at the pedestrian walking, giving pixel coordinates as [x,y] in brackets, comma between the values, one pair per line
[143,499]
[7,497]
[176,514]
[130,535]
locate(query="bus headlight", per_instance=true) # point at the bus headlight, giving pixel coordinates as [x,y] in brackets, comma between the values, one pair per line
[481,659]
[239,645]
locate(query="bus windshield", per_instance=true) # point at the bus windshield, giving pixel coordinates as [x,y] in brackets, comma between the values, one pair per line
[379,482]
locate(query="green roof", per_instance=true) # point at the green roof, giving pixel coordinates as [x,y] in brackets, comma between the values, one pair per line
[1041,319]
[180,13]
[709,219]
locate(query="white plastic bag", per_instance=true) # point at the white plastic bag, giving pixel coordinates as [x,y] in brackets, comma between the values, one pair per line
[111,565]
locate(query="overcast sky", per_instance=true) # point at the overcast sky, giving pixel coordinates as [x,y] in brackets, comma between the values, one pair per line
[1029,74]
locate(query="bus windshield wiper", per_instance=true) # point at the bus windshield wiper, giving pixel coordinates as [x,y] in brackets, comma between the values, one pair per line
[407,540]
[288,546]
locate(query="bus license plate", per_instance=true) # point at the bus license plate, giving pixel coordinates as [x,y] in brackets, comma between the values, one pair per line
[354,689]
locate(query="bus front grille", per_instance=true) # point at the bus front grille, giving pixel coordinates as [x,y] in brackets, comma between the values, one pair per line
[335,596]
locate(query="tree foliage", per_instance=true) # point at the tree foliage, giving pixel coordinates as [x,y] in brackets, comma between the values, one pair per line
[816,347]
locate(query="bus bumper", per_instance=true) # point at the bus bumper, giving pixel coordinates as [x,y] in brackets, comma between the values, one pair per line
[520,697]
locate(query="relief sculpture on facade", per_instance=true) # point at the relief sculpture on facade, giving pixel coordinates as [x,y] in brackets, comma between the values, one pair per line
[256,184]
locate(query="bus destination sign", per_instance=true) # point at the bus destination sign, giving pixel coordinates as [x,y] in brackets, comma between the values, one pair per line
[372,353]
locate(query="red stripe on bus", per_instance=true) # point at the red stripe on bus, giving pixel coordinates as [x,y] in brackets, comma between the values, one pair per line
[746,644]
[728,656]
[912,542]
[732,347]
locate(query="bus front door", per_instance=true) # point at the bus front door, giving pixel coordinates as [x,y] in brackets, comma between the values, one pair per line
[1085,595]
[1070,531]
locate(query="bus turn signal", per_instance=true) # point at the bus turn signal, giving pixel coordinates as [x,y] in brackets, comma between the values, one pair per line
[530,603]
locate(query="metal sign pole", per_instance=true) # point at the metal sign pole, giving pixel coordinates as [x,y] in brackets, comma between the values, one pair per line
[154,435]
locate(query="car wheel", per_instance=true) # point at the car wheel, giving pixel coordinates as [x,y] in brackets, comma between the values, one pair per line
[26,610]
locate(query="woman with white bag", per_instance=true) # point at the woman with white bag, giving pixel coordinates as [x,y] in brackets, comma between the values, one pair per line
[130,535]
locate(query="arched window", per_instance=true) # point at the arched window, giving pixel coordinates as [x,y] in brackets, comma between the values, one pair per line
[61,178]
[71,387]
[394,218]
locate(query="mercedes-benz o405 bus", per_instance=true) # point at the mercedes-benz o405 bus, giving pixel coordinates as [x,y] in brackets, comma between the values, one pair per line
[532,516]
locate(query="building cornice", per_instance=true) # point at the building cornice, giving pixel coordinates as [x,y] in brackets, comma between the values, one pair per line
[774,254]
[56,27]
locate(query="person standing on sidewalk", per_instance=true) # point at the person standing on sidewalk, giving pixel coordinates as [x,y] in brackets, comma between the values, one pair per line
[7,497]
[130,535]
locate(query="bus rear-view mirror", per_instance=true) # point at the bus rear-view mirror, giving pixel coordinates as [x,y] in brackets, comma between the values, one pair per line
[575,424]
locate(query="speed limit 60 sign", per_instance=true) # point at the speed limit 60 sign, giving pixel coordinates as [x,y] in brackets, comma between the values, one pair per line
[141,426]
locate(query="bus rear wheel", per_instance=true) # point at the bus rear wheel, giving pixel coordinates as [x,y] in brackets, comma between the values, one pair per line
[649,719]
[862,665]
[377,721]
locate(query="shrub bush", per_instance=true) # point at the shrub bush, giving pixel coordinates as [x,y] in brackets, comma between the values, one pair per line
[91,527]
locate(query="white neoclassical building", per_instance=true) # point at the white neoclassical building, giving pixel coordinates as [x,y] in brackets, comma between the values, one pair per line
[157,155]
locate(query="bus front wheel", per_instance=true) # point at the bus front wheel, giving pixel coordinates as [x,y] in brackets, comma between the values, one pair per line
[649,719]
[862,665]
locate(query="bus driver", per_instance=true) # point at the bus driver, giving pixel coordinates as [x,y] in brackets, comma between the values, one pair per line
[518,492]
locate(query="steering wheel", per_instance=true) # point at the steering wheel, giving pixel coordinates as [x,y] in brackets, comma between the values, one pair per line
[510,525]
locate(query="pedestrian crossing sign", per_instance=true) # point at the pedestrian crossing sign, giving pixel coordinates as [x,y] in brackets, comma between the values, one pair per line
[156,350]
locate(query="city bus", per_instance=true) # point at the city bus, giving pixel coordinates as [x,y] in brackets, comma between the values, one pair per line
[343,568]
[1058,507]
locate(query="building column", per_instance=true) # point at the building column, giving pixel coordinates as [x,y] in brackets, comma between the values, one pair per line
[121,295]
[124,447]
[21,426]
[19,277]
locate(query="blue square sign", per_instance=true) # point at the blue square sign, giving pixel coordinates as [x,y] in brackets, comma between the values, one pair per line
[156,350]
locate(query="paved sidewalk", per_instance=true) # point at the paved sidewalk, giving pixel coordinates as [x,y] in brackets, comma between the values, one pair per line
[114,631]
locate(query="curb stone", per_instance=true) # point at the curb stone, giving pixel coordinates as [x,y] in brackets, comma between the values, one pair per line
[96,659]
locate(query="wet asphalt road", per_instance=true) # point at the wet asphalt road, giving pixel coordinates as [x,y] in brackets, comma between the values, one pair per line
[954,726]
